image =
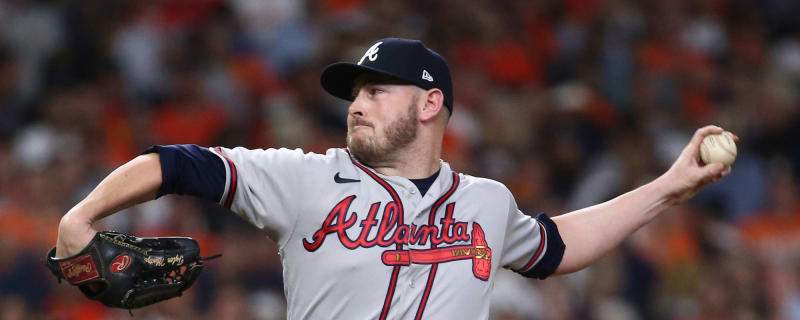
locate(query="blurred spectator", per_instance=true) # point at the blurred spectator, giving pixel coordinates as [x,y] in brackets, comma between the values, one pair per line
[137,48]
[775,232]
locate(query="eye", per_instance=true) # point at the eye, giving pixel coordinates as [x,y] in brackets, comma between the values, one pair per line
[373,91]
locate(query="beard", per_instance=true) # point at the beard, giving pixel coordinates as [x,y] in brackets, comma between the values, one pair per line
[400,133]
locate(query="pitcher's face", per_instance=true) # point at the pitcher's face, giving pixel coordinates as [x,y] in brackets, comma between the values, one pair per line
[381,119]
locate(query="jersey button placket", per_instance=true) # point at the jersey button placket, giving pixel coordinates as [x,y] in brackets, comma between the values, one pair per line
[408,273]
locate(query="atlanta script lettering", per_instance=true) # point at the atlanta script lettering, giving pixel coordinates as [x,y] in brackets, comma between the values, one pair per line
[390,231]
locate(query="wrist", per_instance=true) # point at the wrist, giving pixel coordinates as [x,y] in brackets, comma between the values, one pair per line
[74,233]
[77,219]
[72,224]
[666,188]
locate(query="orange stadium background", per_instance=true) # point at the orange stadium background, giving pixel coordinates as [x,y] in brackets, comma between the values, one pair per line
[569,103]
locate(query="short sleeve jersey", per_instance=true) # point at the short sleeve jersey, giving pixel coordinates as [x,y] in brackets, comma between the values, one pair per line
[356,244]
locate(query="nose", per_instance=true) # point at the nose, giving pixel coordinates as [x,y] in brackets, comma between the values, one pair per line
[357,108]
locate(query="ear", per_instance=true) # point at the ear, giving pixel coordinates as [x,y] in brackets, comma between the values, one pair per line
[434,104]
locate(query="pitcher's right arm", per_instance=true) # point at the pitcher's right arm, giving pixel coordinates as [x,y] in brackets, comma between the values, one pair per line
[132,183]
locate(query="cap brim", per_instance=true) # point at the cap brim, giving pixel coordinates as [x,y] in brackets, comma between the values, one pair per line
[338,78]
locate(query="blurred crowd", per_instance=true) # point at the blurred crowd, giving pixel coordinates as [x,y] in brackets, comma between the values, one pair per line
[569,103]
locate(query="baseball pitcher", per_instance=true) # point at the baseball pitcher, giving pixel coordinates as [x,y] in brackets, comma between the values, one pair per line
[385,229]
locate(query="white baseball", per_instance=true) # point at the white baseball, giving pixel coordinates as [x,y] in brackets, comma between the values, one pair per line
[718,148]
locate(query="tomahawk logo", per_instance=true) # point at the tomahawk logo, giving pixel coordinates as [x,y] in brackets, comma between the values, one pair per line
[391,232]
[372,53]
[426,75]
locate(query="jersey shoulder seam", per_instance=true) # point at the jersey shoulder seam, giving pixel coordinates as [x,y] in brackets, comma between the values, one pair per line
[333,154]
[467,180]
[296,215]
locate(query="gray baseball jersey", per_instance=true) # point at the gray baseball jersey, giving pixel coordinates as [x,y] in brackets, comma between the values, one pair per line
[356,244]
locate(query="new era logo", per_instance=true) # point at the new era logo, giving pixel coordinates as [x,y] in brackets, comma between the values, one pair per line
[426,75]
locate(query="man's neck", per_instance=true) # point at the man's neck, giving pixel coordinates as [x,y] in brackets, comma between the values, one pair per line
[415,161]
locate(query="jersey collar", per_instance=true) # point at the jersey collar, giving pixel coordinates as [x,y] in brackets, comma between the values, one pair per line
[442,182]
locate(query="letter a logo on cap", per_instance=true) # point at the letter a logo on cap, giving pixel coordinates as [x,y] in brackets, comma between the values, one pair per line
[426,75]
[372,53]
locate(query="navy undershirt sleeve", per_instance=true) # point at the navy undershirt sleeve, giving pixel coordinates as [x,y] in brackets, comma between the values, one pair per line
[554,253]
[189,169]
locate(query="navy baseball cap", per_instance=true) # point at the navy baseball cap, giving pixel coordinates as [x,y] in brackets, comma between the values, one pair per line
[404,59]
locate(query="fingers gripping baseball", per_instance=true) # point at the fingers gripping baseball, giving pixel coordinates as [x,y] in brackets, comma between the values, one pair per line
[689,173]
